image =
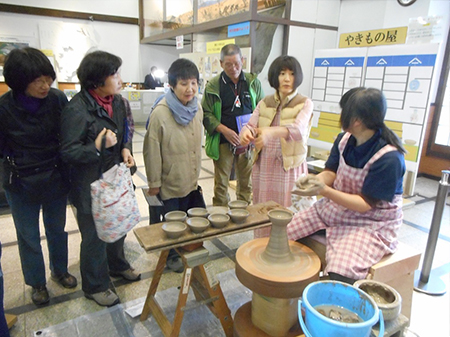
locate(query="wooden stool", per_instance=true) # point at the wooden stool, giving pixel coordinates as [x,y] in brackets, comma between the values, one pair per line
[396,270]
[206,290]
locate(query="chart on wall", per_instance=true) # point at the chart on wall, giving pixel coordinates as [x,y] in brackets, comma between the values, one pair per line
[69,42]
[404,74]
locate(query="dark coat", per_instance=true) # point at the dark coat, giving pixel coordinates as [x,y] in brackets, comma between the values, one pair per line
[82,120]
[151,82]
[29,146]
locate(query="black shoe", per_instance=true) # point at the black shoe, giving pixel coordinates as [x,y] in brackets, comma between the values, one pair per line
[39,295]
[66,280]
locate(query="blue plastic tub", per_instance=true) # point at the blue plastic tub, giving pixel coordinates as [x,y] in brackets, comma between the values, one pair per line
[343,295]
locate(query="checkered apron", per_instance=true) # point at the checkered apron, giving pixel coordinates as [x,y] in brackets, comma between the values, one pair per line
[355,241]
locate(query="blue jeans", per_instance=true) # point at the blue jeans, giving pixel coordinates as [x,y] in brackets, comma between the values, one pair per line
[26,221]
[98,258]
[4,332]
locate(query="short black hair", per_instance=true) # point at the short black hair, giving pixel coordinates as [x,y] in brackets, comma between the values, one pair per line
[365,104]
[182,69]
[285,62]
[230,50]
[96,67]
[24,65]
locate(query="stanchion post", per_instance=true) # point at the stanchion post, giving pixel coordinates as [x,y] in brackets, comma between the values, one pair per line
[423,282]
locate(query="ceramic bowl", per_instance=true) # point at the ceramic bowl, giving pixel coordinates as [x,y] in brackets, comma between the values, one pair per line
[238,204]
[198,211]
[387,298]
[175,216]
[197,224]
[174,229]
[217,209]
[238,215]
[219,220]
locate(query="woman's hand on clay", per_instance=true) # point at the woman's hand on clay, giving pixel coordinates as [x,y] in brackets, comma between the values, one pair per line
[246,137]
[308,186]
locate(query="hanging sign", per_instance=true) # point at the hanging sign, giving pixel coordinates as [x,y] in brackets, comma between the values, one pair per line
[239,29]
[180,41]
[368,38]
[214,47]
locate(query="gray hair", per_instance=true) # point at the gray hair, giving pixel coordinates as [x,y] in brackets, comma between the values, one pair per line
[230,50]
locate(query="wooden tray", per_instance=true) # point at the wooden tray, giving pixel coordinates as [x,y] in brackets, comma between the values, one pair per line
[152,238]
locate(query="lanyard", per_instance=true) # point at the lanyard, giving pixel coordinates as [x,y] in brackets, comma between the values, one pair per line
[236,90]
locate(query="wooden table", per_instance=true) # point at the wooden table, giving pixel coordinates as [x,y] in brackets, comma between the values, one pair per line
[153,239]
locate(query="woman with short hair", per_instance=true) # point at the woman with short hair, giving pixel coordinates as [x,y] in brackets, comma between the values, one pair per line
[34,177]
[172,146]
[97,111]
[279,129]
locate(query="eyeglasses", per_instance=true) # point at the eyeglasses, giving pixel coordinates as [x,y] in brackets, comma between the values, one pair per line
[40,82]
[231,65]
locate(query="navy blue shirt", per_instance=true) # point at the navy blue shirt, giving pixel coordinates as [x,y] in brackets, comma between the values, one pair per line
[228,93]
[385,176]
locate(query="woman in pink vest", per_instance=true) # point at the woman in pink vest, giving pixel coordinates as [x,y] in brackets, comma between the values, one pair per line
[361,208]
[279,128]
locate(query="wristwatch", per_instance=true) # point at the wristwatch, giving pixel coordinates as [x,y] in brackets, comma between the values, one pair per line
[406,2]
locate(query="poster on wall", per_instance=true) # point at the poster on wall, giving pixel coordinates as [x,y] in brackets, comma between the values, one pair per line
[405,75]
[69,42]
[6,45]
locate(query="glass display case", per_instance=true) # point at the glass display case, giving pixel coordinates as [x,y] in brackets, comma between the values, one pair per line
[162,16]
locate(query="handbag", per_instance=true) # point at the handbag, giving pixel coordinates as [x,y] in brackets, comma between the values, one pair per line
[114,204]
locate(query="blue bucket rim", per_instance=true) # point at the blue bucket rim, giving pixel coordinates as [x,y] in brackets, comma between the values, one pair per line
[373,320]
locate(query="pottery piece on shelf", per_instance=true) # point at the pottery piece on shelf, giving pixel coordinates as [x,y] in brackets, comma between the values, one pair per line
[238,204]
[238,215]
[197,224]
[174,229]
[175,216]
[197,211]
[219,220]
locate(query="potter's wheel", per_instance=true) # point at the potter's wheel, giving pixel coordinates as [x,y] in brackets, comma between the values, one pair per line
[282,280]
[277,271]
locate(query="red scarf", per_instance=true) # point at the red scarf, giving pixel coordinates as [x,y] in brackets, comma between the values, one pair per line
[105,102]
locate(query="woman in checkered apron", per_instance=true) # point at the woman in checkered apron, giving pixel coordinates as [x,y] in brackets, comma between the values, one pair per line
[361,208]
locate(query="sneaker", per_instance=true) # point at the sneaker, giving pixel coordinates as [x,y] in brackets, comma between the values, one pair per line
[66,280]
[105,298]
[128,274]
[175,264]
[39,295]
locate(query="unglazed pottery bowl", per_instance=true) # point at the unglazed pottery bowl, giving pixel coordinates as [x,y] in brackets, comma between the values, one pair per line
[387,298]
[217,209]
[197,224]
[219,220]
[238,215]
[238,204]
[198,211]
[175,216]
[174,229]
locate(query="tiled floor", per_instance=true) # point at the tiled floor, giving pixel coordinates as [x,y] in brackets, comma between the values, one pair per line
[430,314]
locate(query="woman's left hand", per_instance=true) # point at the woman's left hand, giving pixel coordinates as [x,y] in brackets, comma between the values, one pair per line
[261,138]
[127,157]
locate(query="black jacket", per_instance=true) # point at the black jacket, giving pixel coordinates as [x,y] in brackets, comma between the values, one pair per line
[82,120]
[29,146]
[151,82]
